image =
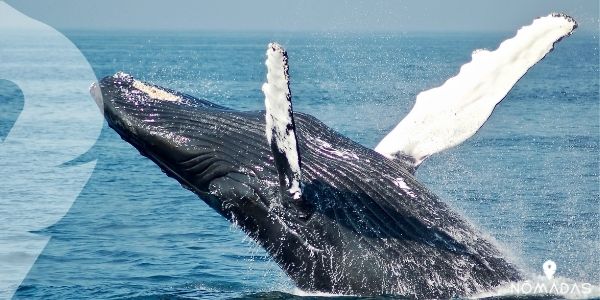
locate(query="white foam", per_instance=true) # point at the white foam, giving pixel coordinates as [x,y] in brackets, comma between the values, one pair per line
[301,293]
[401,184]
[327,147]
[278,103]
[123,76]
[446,116]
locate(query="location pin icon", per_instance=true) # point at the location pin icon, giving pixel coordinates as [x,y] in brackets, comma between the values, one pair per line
[549,269]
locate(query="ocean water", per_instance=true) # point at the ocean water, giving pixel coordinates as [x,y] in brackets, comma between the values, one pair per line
[529,178]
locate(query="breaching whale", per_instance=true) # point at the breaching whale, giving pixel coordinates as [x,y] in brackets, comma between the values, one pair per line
[336,216]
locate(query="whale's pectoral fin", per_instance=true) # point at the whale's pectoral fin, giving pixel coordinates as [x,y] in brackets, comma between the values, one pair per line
[446,116]
[280,127]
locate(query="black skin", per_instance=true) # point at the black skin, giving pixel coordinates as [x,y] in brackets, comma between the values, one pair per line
[355,231]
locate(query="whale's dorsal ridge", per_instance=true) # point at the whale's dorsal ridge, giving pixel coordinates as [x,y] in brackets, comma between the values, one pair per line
[446,116]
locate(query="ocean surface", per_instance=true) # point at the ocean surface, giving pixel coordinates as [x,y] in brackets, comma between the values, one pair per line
[529,178]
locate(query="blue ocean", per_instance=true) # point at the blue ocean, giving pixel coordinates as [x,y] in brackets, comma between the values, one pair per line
[529,178]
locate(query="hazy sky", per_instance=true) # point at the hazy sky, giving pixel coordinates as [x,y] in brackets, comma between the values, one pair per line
[307,15]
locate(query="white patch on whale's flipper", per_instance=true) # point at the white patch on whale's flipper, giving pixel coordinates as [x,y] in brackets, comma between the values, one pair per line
[446,116]
[280,127]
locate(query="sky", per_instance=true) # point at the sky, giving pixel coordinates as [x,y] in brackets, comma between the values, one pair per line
[304,15]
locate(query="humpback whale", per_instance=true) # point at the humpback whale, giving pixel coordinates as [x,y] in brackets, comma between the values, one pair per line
[336,216]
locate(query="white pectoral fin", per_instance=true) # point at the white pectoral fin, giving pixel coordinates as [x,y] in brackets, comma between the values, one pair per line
[446,116]
[280,128]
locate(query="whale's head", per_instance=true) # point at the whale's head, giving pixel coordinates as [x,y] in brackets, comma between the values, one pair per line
[220,154]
